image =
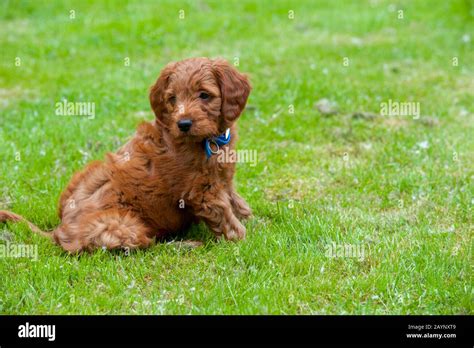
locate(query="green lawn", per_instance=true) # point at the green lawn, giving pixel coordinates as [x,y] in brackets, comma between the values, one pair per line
[398,187]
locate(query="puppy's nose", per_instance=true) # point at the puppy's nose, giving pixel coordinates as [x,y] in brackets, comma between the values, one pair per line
[185,125]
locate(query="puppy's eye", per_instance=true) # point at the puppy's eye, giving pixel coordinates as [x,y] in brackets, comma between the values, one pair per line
[172,100]
[204,95]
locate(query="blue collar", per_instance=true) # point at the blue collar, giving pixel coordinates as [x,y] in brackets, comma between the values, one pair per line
[218,141]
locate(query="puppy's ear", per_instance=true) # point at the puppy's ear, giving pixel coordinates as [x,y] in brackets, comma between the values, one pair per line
[235,89]
[157,101]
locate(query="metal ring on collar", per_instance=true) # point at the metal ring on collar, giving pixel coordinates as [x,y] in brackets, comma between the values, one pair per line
[210,147]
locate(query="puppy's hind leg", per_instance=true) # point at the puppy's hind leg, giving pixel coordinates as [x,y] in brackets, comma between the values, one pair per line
[110,229]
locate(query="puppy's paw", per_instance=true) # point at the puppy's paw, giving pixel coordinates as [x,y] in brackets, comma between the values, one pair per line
[243,213]
[240,208]
[235,232]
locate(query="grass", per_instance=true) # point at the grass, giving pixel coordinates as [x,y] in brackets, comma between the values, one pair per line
[401,188]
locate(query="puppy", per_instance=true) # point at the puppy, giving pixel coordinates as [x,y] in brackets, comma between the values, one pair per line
[168,175]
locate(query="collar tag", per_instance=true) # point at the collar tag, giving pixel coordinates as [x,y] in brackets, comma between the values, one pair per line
[218,141]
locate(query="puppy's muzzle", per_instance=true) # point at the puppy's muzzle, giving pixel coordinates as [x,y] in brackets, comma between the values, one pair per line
[185,125]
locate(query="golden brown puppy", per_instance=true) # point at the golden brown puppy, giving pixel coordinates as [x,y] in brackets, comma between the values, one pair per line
[167,175]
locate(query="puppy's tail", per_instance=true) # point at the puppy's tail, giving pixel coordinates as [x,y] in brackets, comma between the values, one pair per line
[9,216]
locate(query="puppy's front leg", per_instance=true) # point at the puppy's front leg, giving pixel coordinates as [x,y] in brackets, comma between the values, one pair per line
[240,207]
[217,212]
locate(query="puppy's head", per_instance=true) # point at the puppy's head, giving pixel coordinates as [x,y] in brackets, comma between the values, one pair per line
[198,98]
